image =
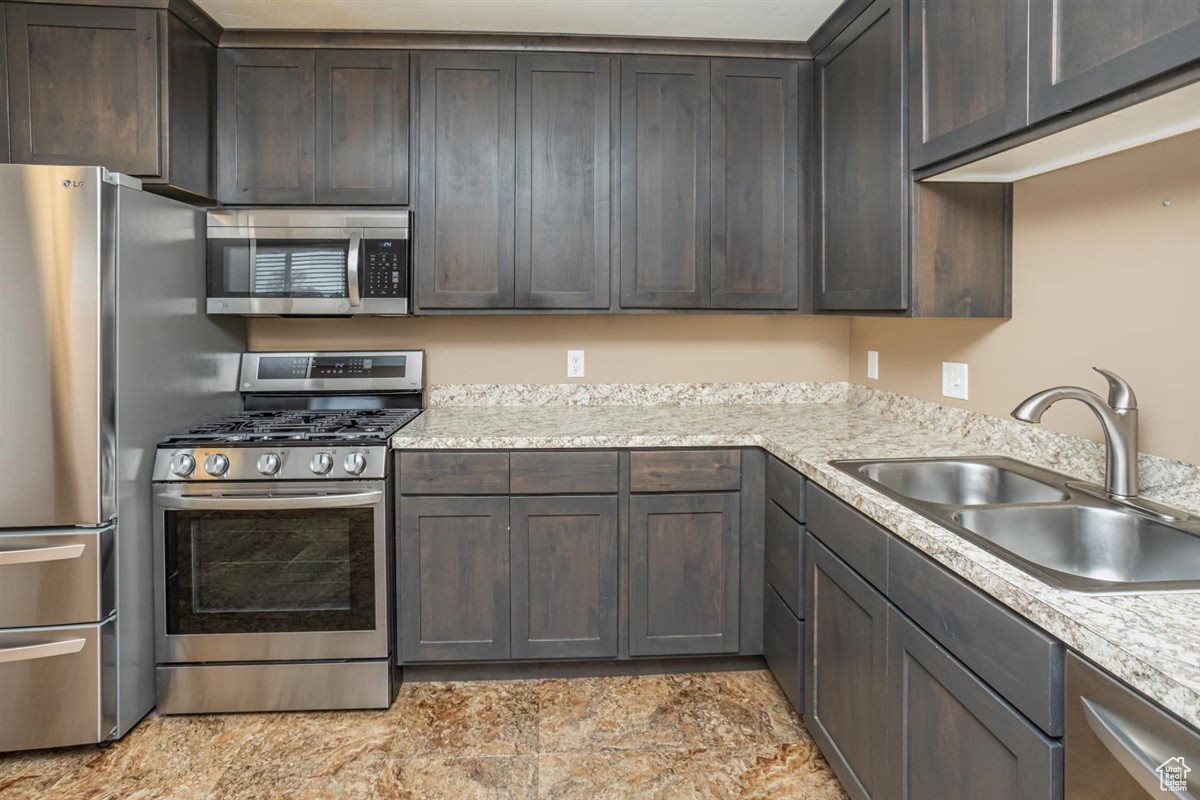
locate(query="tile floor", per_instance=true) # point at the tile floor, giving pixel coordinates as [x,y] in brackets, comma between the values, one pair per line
[699,735]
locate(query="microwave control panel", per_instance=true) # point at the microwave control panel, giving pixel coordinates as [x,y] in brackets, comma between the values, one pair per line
[385,268]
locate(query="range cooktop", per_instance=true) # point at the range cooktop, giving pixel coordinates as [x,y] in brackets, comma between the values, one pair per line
[366,426]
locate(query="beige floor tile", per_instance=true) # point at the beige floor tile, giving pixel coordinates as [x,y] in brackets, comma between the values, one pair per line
[31,774]
[485,718]
[467,778]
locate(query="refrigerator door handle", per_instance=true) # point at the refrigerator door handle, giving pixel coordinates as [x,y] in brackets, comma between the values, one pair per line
[47,650]
[38,555]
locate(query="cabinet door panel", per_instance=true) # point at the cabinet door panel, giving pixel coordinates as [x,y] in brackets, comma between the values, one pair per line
[5,153]
[1080,51]
[755,183]
[684,574]
[846,672]
[967,68]
[664,182]
[85,86]
[265,126]
[955,737]
[466,183]
[453,576]
[564,116]
[862,260]
[564,577]
[362,126]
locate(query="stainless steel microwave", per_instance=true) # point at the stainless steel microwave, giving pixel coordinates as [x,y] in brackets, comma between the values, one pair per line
[309,261]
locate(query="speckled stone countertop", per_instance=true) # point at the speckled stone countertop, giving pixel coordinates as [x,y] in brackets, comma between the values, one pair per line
[1151,641]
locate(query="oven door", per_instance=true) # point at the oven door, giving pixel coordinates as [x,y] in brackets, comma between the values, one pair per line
[272,271]
[271,571]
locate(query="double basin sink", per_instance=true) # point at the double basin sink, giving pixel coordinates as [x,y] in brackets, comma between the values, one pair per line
[1044,522]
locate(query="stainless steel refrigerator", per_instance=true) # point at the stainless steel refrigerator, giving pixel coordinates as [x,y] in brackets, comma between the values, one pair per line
[104,348]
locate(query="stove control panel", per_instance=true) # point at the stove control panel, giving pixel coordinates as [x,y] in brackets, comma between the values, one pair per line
[230,463]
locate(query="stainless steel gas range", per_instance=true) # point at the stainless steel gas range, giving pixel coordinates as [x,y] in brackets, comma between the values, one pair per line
[273,566]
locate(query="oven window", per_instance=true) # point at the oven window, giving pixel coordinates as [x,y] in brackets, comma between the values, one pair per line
[270,571]
[280,268]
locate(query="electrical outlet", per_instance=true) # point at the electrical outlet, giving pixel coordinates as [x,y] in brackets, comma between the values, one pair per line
[873,364]
[954,380]
[574,363]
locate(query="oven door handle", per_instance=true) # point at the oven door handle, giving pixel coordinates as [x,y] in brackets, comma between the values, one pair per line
[266,502]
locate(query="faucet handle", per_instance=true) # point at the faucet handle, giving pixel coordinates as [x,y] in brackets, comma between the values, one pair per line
[1120,393]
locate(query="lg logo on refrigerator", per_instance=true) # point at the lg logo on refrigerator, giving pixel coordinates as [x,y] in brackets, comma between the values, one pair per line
[70,184]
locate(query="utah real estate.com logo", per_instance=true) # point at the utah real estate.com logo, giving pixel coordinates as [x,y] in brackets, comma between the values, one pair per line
[1172,775]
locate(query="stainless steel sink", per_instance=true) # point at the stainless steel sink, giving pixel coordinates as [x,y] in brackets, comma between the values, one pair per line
[1090,546]
[977,482]
[1046,523]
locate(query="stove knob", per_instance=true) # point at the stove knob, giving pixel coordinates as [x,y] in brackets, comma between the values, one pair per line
[268,463]
[182,465]
[321,463]
[216,464]
[355,463]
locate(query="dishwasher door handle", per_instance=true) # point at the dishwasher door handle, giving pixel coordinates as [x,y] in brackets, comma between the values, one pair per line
[1139,751]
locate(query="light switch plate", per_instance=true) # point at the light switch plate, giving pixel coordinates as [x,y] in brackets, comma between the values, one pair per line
[954,380]
[574,363]
[873,364]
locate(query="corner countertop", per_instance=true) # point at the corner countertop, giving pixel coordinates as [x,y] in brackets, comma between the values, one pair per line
[1151,641]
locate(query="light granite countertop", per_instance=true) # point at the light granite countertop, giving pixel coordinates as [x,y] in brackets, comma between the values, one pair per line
[1151,641]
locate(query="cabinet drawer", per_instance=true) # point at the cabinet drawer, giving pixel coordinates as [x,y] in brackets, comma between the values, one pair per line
[685,470]
[786,487]
[56,578]
[454,473]
[783,648]
[564,473]
[784,556]
[1021,662]
[47,669]
[859,542]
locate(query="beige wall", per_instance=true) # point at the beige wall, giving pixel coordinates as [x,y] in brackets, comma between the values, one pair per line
[1103,274]
[632,349]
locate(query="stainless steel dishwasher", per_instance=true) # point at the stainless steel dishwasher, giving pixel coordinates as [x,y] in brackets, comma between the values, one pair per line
[1120,746]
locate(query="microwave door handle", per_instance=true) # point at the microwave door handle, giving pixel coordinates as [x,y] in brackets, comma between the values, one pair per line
[266,502]
[352,270]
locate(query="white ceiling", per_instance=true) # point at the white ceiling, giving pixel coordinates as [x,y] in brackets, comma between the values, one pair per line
[781,20]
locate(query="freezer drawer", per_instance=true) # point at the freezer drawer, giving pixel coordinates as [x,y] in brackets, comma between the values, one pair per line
[56,577]
[57,686]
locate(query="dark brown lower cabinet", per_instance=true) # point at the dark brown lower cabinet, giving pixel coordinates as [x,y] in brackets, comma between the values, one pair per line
[846,672]
[564,577]
[953,736]
[783,647]
[453,578]
[683,573]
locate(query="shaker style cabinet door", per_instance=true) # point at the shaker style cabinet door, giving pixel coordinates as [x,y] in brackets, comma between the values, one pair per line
[453,579]
[362,127]
[664,182]
[466,204]
[265,126]
[967,65]
[756,141]
[846,672]
[862,259]
[84,86]
[953,736]
[564,577]
[564,181]
[1081,50]
[683,574]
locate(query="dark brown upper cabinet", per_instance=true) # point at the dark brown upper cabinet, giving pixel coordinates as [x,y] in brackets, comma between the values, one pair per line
[313,126]
[967,74]
[861,261]
[565,111]
[466,203]
[1080,51]
[664,182]
[757,139]
[884,242]
[265,126]
[5,153]
[362,127]
[125,88]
